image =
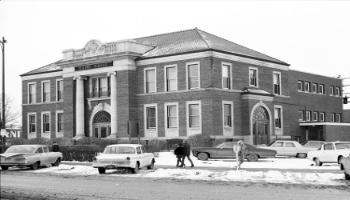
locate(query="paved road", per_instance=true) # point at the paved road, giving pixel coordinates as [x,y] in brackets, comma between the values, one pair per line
[20,185]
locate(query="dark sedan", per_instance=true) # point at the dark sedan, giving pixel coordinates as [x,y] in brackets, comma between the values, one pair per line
[225,150]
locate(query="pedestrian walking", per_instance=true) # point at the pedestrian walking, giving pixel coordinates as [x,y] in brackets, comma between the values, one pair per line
[187,154]
[240,150]
[179,152]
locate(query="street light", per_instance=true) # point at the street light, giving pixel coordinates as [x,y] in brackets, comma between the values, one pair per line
[2,42]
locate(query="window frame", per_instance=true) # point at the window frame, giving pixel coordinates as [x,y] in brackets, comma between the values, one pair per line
[188,78]
[166,79]
[323,114]
[146,119]
[302,115]
[280,82]
[229,65]
[42,91]
[56,121]
[257,77]
[307,83]
[302,86]
[188,103]
[231,114]
[315,116]
[42,121]
[331,90]
[35,123]
[333,117]
[319,89]
[314,88]
[307,115]
[35,93]
[337,92]
[281,116]
[145,79]
[166,120]
[337,117]
[57,91]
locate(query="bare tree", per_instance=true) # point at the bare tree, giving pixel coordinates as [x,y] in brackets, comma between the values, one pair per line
[12,116]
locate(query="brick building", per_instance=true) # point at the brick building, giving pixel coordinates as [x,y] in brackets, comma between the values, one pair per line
[175,85]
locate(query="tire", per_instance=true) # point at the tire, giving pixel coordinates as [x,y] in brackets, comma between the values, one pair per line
[202,156]
[35,166]
[136,169]
[301,155]
[347,176]
[252,157]
[57,162]
[317,162]
[4,168]
[101,170]
[151,166]
[341,167]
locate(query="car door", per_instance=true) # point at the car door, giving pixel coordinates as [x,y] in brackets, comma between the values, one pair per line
[278,146]
[290,149]
[224,151]
[47,156]
[140,157]
[327,155]
[38,156]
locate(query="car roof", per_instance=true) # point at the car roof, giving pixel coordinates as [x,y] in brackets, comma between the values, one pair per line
[125,145]
[31,145]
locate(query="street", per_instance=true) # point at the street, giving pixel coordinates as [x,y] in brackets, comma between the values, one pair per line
[27,185]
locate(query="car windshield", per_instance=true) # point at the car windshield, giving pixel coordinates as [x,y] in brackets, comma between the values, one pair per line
[119,150]
[21,149]
[225,145]
[342,145]
[313,144]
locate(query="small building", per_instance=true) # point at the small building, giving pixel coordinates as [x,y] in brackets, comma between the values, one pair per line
[175,85]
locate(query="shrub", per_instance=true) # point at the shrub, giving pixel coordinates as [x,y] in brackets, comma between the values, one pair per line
[155,145]
[88,141]
[16,141]
[39,141]
[80,152]
[172,142]
[200,140]
[63,141]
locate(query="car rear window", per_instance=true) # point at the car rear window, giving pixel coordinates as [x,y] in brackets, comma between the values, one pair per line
[119,150]
[20,149]
[342,145]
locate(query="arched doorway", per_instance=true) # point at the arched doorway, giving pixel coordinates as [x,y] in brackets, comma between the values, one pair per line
[261,126]
[101,124]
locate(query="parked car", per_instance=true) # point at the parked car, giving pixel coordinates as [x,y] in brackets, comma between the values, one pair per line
[32,156]
[289,148]
[345,165]
[313,144]
[130,156]
[330,152]
[225,150]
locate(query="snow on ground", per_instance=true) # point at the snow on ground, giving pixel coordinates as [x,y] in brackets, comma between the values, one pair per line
[168,158]
[209,170]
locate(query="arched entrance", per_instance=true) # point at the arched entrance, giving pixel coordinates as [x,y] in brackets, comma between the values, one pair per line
[101,124]
[261,125]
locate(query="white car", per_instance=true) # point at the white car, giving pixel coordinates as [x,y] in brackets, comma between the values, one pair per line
[131,156]
[330,152]
[32,156]
[289,148]
[345,165]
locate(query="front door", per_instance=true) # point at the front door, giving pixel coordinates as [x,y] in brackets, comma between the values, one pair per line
[101,125]
[261,124]
[101,130]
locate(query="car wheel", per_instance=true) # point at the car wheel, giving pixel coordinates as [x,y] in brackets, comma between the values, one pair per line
[151,166]
[347,176]
[252,157]
[101,170]
[57,162]
[35,166]
[136,169]
[301,155]
[341,167]
[202,156]
[4,168]
[318,162]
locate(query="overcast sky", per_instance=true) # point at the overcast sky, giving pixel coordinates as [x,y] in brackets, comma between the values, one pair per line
[312,36]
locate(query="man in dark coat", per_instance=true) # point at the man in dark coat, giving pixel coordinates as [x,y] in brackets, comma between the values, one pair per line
[179,152]
[187,153]
[55,147]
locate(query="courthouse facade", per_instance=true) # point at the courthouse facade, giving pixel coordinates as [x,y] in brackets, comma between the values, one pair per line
[175,85]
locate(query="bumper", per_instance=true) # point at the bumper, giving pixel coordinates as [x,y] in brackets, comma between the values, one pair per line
[112,165]
[15,164]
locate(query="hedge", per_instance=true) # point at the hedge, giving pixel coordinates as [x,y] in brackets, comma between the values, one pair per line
[80,152]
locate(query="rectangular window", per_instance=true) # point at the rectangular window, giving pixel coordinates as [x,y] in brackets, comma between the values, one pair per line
[94,86]
[170,78]
[31,93]
[59,90]
[333,117]
[150,80]
[301,115]
[337,91]
[331,90]
[277,83]
[151,117]
[253,77]
[308,115]
[315,116]
[59,121]
[300,86]
[314,88]
[171,116]
[322,114]
[226,76]
[338,118]
[32,123]
[321,89]
[193,76]
[307,86]
[227,115]
[193,115]
[100,87]
[45,122]
[103,87]
[45,92]
[278,117]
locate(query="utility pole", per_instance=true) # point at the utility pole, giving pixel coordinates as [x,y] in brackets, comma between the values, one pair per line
[2,42]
